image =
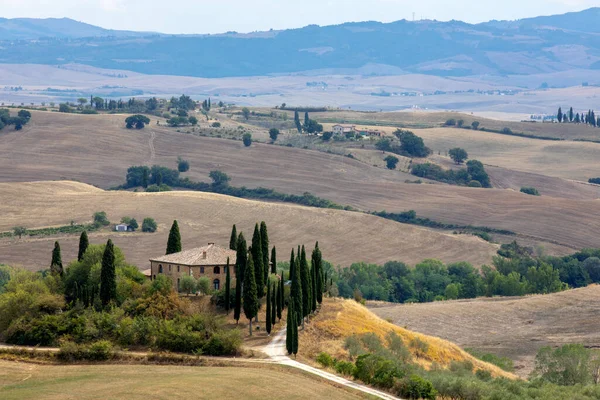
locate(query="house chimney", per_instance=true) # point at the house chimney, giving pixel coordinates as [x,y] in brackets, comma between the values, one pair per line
[211,244]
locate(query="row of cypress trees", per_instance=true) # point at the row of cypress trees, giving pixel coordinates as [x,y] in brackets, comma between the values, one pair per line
[108,275]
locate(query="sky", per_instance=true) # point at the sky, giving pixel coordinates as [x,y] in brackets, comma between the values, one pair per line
[216,16]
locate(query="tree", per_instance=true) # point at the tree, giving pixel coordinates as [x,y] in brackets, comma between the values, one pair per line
[306,120]
[567,365]
[412,144]
[280,296]
[138,121]
[306,285]
[183,165]
[313,127]
[274,302]
[64,108]
[264,242]
[174,242]
[560,115]
[241,261]
[251,303]
[83,245]
[313,282]
[220,179]
[318,264]
[19,231]
[193,120]
[475,125]
[391,162]
[273,260]
[108,278]
[571,116]
[100,219]
[246,113]
[273,134]
[458,155]
[149,225]
[268,313]
[187,284]
[133,224]
[296,292]
[233,238]
[227,287]
[258,260]
[297,121]
[82,101]
[56,266]
[247,139]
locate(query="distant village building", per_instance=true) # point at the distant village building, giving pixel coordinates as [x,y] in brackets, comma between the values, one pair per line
[122,228]
[370,132]
[208,261]
[343,129]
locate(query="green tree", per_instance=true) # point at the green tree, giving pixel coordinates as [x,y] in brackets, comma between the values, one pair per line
[233,238]
[412,144]
[268,313]
[477,172]
[56,266]
[183,165]
[19,231]
[313,127]
[560,114]
[391,162]
[100,219]
[138,121]
[108,278]
[220,179]
[149,225]
[257,259]
[246,113]
[187,284]
[280,296]
[318,260]
[273,260]
[247,139]
[174,242]
[227,287]
[297,121]
[306,119]
[458,155]
[264,242]
[296,292]
[475,125]
[273,134]
[274,302]
[306,285]
[193,120]
[241,262]
[313,282]
[251,303]
[571,115]
[292,265]
[291,339]
[566,366]
[133,224]
[83,245]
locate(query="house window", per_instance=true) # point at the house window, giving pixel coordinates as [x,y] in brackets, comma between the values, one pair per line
[178,268]
[216,284]
[217,270]
[160,270]
[201,270]
[154,277]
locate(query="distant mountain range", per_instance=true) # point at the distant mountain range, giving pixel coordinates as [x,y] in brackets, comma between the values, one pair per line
[524,47]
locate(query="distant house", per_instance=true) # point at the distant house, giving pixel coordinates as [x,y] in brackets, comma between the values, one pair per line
[122,228]
[370,132]
[208,261]
[343,129]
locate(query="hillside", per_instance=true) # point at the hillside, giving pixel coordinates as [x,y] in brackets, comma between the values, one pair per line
[454,48]
[345,237]
[511,327]
[97,149]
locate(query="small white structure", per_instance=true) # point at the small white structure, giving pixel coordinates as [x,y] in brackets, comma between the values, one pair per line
[343,129]
[121,228]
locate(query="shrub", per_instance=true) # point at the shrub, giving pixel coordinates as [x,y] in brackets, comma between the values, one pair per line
[273,133]
[419,347]
[183,165]
[247,139]
[530,191]
[507,131]
[216,125]
[450,122]
[224,343]
[136,121]
[100,219]
[101,350]
[325,360]
[475,184]
[391,162]
[594,181]
[475,125]
[345,368]
[149,225]
[415,387]
[327,136]
[158,188]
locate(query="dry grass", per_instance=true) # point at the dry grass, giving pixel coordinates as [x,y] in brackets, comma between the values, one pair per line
[34,381]
[345,237]
[509,327]
[340,319]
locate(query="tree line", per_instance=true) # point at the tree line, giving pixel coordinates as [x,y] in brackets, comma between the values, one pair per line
[588,118]
[23,117]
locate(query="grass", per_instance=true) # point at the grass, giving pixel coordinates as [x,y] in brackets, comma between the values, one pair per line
[208,217]
[22,381]
[506,327]
[340,319]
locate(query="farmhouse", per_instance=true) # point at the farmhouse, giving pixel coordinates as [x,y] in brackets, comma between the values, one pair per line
[121,228]
[343,129]
[208,261]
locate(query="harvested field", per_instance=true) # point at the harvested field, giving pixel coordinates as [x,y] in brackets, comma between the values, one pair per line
[511,327]
[34,381]
[344,236]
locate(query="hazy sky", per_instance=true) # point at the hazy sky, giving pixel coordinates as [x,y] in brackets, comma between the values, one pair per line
[200,16]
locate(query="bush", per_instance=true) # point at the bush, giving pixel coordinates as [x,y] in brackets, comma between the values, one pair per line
[183,165]
[101,350]
[149,225]
[595,181]
[450,122]
[216,125]
[474,184]
[136,121]
[273,133]
[225,343]
[327,136]
[100,219]
[415,387]
[345,368]
[157,188]
[325,360]
[419,347]
[391,162]
[530,191]
[247,139]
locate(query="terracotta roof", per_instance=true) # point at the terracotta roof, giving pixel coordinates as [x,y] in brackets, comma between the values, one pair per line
[207,255]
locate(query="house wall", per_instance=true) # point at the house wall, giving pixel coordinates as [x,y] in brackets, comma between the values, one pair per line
[175,272]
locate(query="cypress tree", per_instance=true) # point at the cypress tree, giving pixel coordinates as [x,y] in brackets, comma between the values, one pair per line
[174,242]
[297,122]
[296,292]
[274,303]
[233,239]
[306,285]
[571,114]
[273,260]
[240,265]
[264,241]
[56,266]
[108,277]
[250,294]
[313,281]
[268,314]
[257,260]
[318,257]
[292,265]
[560,114]
[291,324]
[280,296]
[83,245]
[227,287]
[306,120]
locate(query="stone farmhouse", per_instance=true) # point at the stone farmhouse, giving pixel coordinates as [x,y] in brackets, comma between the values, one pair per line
[208,261]
[343,129]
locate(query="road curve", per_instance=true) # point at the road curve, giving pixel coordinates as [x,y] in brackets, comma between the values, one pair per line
[277,352]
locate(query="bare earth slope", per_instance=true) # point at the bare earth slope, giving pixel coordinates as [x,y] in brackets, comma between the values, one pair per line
[344,236]
[511,327]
